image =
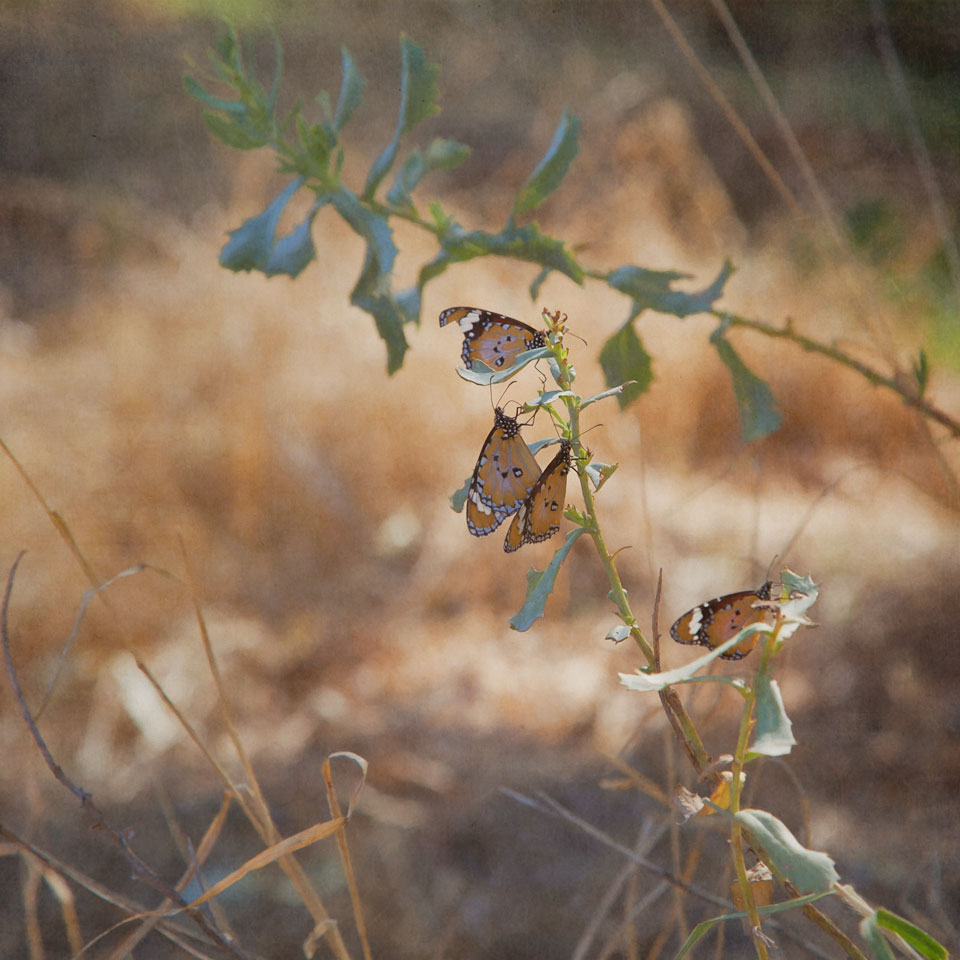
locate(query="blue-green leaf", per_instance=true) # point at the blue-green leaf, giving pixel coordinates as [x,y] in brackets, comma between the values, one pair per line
[773,736]
[459,497]
[540,585]
[372,294]
[292,252]
[626,365]
[538,281]
[759,416]
[482,375]
[418,101]
[809,870]
[613,392]
[518,243]
[653,289]
[549,396]
[619,633]
[369,225]
[251,244]
[552,168]
[351,91]
[600,473]
[408,176]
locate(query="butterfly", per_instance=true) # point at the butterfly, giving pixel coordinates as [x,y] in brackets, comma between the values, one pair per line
[492,338]
[716,621]
[505,473]
[537,519]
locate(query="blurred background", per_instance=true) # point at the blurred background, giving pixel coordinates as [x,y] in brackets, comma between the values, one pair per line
[152,397]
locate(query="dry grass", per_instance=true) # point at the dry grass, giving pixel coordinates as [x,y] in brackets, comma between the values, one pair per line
[350,609]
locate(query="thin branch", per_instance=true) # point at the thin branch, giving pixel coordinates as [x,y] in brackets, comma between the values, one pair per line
[909,396]
[141,869]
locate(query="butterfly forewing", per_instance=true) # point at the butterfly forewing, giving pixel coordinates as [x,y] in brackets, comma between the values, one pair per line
[505,473]
[539,516]
[716,621]
[492,338]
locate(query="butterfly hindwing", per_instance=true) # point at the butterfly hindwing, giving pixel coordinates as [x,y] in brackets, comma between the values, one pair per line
[539,516]
[505,473]
[716,621]
[492,338]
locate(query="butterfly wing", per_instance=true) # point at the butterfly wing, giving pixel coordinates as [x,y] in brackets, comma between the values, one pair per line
[505,473]
[492,338]
[538,517]
[716,621]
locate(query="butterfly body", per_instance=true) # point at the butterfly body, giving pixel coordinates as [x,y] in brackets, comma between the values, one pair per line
[539,515]
[505,473]
[492,338]
[717,620]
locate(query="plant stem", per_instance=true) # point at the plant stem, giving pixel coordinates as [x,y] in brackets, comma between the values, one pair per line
[902,387]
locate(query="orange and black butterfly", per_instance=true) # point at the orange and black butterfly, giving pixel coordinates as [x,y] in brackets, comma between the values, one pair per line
[716,621]
[505,473]
[538,517]
[492,338]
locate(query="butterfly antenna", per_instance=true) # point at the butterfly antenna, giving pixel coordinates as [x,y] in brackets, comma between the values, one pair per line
[499,402]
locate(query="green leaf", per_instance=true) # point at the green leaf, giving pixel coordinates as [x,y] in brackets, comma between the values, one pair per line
[773,736]
[232,134]
[809,870]
[251,244]
[418,101]
[870,931]
[552,168]
[921,372]
[540,585]
[759,416]
[702,929]
[198,92]
[459,498]
[919,939]
[445,154]
[626,365]
[351,91]
[652,289]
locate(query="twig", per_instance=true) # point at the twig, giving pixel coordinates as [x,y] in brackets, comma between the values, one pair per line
[141,869]
[910,397]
